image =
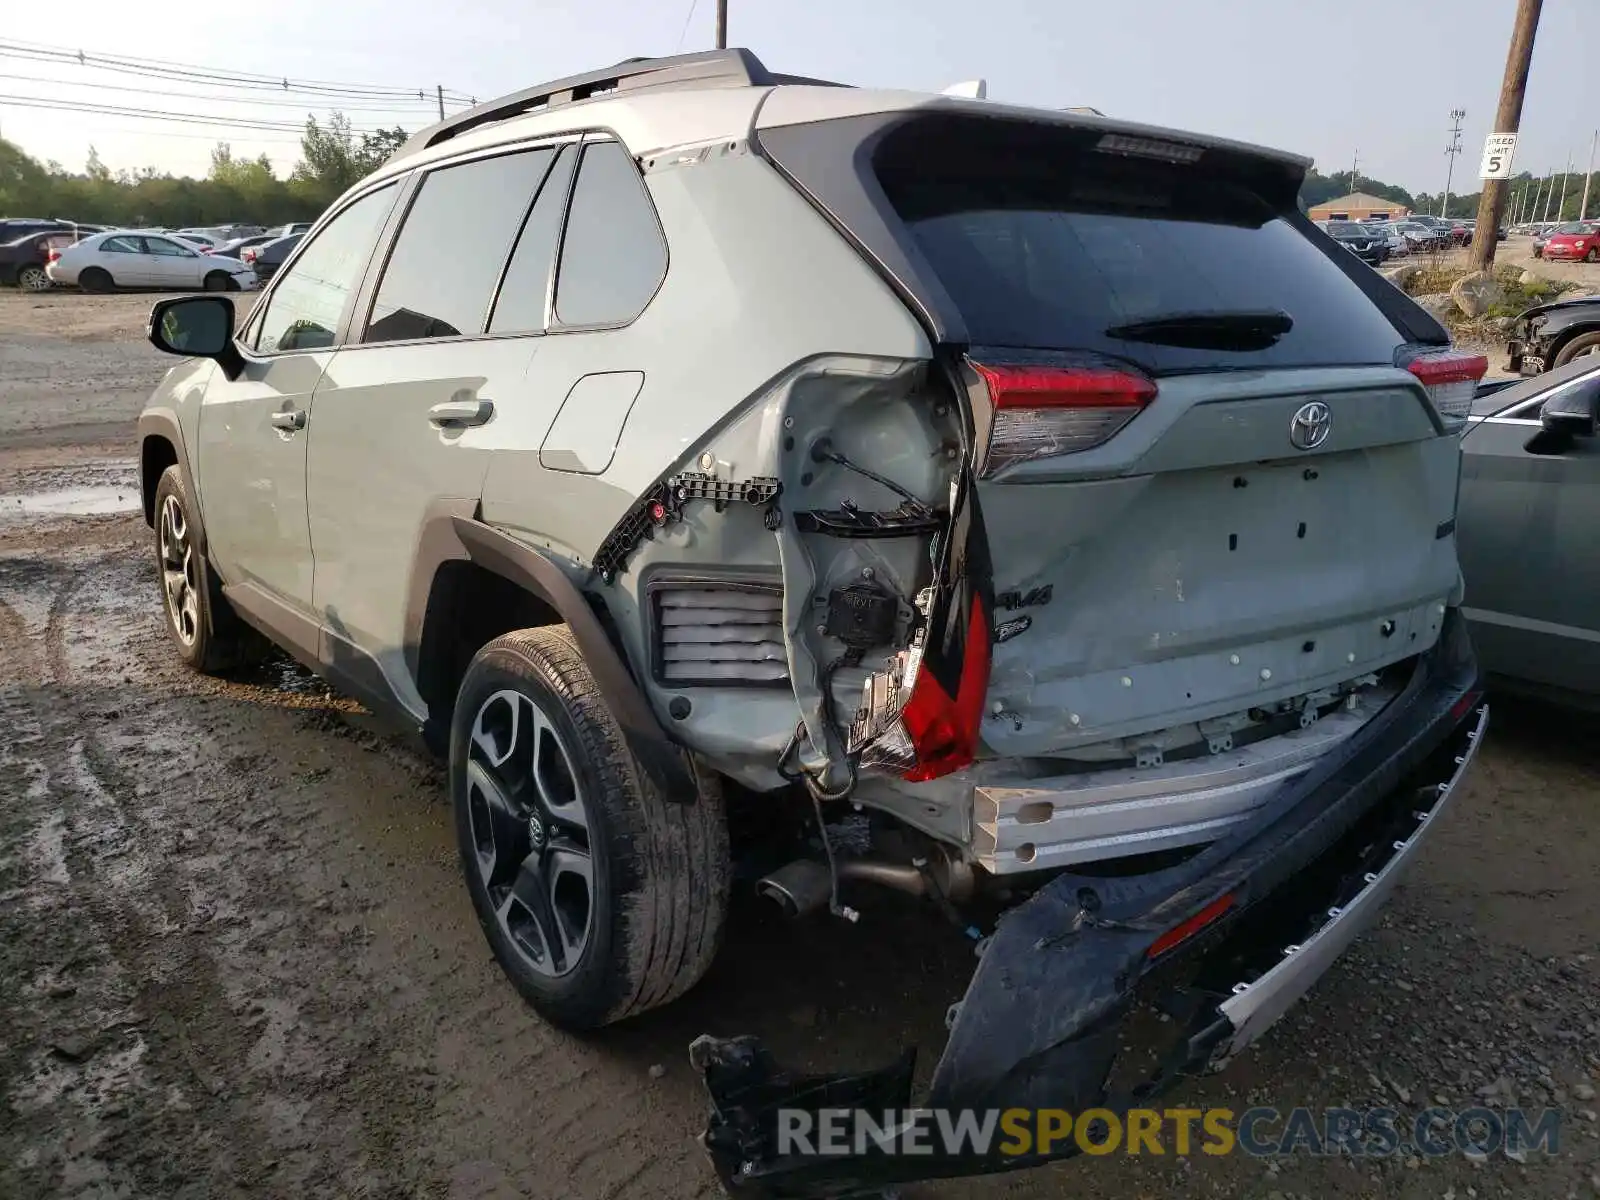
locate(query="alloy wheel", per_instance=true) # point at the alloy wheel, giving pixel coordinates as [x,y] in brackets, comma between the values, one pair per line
[33,279]
[530,832]
[180,572]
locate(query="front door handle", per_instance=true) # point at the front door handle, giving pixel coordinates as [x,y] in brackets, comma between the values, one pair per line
[290,420]
[461,412]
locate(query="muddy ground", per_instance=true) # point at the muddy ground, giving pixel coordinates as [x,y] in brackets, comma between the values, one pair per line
[236,958]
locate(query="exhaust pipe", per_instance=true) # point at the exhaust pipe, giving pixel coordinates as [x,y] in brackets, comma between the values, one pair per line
[800,888]
[804,886]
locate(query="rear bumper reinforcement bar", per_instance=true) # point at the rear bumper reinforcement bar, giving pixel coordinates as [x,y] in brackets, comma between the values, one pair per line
[1039,1024]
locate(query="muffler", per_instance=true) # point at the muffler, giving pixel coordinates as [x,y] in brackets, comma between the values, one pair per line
[803,886]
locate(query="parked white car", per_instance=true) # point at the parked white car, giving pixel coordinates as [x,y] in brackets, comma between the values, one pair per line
[132,258]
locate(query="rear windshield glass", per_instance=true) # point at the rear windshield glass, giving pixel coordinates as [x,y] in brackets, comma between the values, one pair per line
[1056,250]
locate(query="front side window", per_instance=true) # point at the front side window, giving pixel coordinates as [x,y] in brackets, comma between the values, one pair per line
[303,310]
[449,253]
[612,255]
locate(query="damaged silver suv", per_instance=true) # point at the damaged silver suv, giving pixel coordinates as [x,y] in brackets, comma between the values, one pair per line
[1035,509]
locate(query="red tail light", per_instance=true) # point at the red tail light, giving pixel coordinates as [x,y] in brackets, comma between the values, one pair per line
[53,256]
[943,729]
[1043,411]
[1451,379]
[1184,930]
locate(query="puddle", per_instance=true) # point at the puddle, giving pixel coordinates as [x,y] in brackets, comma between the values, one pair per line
[72,502]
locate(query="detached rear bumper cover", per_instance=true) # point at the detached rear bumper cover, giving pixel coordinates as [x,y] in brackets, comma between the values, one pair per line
[1040,1021]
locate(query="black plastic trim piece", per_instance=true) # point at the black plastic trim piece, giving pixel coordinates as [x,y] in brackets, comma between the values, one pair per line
[664,504]
[851,522]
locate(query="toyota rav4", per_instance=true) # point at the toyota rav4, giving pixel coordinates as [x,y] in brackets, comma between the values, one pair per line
[1036,506]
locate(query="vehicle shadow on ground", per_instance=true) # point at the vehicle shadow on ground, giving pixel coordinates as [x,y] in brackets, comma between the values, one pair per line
[826,994]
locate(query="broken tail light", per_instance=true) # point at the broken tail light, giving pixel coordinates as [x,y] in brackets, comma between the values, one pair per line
[942,716]
[1041,411]
[1450,379]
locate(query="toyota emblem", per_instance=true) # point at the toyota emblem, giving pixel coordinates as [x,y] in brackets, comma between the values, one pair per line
[1310,425]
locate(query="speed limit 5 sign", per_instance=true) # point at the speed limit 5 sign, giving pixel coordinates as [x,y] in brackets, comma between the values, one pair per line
[1498,151]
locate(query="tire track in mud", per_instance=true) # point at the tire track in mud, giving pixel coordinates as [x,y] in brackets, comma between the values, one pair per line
[245,1069]
[187,1030]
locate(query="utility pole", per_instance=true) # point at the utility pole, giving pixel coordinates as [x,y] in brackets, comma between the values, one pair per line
[1355,157]
[1507,119]
[439,90]
[1453,149]
[1562,206]
[1583,209]
[722,24]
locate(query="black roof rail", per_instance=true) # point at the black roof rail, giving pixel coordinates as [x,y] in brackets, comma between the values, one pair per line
[721,68]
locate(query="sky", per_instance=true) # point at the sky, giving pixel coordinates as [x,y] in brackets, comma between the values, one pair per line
[1374,83]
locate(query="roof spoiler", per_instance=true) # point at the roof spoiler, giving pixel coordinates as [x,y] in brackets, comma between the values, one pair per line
[719,68]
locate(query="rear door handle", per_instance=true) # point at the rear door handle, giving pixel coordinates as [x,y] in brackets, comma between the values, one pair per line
[461,412]
[290,420]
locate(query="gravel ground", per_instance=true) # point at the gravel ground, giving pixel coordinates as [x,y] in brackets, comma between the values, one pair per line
[236,958]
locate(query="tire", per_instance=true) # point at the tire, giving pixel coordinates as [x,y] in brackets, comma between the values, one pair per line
[1584,343]
[216,281]
[96,280]
[32,278]
[657,870]
[1593,255]
[1538,252]
[209,635]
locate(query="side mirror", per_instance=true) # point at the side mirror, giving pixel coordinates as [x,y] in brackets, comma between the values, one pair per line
[196,327]
[1570,412]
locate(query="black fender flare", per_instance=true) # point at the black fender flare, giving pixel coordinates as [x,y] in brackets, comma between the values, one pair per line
[163,423]
[452,532]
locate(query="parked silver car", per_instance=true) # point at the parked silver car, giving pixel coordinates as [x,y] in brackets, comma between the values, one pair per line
[1032,507]
[1533,581]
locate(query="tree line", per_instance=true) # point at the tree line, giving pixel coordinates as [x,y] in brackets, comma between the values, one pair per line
[1319,188]
[332,157]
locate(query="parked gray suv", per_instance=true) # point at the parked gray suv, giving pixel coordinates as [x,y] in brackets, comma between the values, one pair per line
[1034,511]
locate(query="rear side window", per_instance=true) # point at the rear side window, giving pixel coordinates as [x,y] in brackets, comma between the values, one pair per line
[1075,249]
[612,255]
[525,290]
[450,250]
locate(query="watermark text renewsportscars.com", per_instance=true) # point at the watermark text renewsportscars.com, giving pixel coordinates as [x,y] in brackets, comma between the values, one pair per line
[1260,1132]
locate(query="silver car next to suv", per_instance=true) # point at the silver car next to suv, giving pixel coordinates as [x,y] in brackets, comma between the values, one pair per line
[1033,510]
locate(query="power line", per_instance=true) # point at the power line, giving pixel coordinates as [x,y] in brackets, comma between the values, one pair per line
[408,107]
[117,110]
[162,69]
[687,17]
[254,139]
